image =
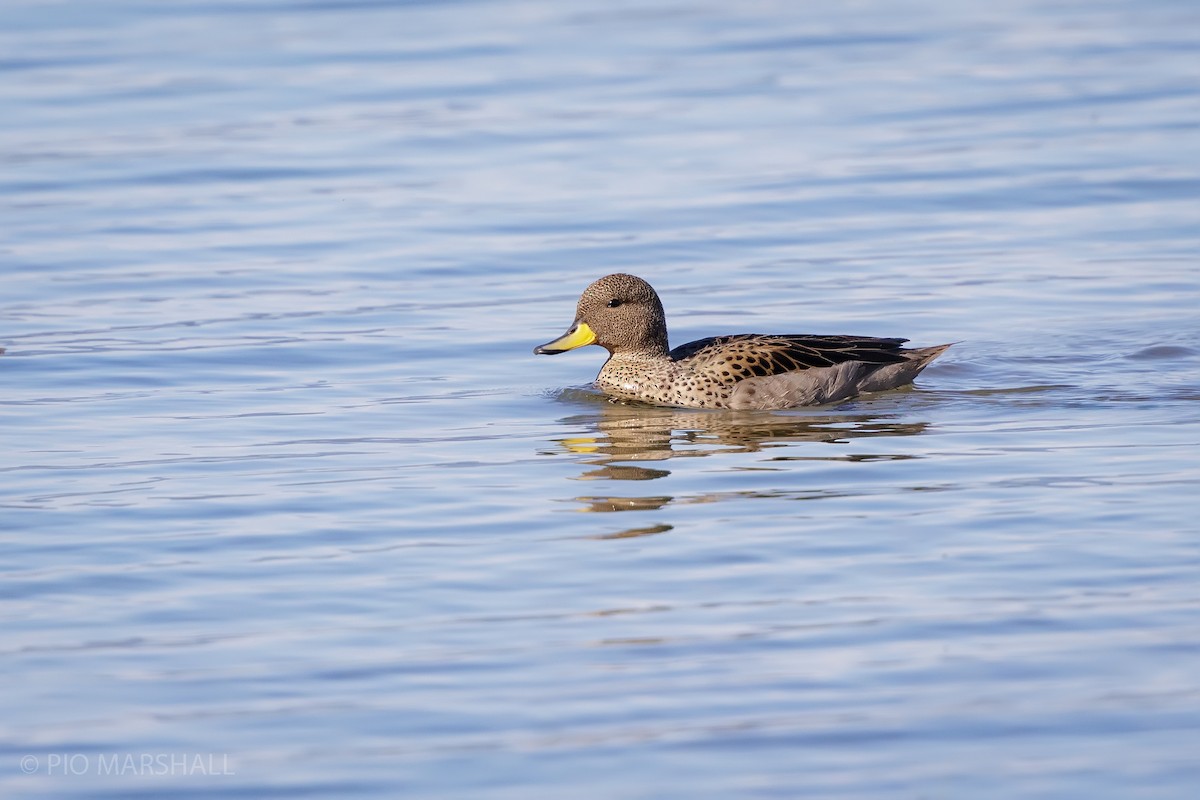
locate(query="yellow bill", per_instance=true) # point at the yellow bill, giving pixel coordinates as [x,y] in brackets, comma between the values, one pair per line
[579,335]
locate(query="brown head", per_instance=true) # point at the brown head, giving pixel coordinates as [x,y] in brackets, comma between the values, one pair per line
[621,313]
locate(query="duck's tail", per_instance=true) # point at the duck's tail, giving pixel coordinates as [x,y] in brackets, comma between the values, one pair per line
[891,376]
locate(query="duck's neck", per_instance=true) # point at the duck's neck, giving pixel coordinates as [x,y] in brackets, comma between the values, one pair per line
[642,355]
[650,347]
[637,373]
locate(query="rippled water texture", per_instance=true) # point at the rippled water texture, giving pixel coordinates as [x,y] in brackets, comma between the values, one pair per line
[289,508]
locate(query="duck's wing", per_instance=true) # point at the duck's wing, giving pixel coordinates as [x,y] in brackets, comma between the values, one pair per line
[747,355]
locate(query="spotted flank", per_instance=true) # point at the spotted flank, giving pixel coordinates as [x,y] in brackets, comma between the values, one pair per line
[623,314]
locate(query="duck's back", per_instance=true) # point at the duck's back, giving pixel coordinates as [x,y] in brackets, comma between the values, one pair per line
[769,354]
[763,371]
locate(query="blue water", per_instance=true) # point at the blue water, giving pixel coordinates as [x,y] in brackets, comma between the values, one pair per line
[289,508]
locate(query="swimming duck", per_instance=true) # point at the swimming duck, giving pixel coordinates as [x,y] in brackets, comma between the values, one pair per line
[622,314]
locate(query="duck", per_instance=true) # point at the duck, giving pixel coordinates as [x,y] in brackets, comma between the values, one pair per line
[747,371]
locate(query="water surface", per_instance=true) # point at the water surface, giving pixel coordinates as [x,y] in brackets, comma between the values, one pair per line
[284,489]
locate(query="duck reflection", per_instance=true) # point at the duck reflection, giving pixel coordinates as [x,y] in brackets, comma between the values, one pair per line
[624,433]
[621,439]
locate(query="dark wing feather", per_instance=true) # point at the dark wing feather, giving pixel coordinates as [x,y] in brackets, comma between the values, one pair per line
[732,358]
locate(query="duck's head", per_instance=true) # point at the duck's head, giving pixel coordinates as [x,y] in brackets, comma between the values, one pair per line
[621,313]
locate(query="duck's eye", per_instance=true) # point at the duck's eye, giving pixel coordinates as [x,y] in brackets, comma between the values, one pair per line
[614,303]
